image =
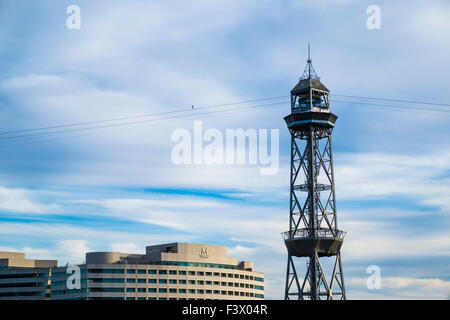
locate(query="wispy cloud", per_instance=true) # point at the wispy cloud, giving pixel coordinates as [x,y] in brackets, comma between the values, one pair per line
[422,178]
[405,288]
[21,201]
[62,197]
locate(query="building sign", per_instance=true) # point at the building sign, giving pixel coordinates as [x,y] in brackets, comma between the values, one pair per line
[204,253]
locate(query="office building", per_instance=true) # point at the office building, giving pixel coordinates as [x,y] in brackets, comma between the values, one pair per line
[174,271]
[24,279]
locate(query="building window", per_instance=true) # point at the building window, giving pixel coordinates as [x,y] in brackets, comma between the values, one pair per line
[151,280]
[106,271]
[195,264]
[182,281]
[132,271]
[141,298]
[142,271]
[131,290]
[200,291]
[223,293]
[95,280]
[162,290]
[131,280]
[142,280]
[241,276]
[216,292]
[151,271]
[208,291]
[209,274]
[216,283]
[181,290]
[230,275]
[151,289]
[192,273]
[173,272]
[216,274]
[162,272]
[173,281]
[141,290]
[182,273]
[191,290]
[208,282]
[162,280]
[191,281]
[200,282]
[200,273]
[173,290]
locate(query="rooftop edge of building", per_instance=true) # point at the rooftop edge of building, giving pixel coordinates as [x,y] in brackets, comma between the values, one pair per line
[175,251]
[18,260]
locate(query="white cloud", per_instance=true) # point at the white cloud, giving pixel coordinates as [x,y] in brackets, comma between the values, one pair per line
[242,252]
[37,253]
[8,249]
[99,239]
[19,200]
[31,253]
[111,35]
[167,57]
[369,176]
[202,217]
[404,288]
[377,241]
[72,250]
[126,247]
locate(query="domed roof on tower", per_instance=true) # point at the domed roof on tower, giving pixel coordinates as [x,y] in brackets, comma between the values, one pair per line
[309,79]
[307,84]
[310,95]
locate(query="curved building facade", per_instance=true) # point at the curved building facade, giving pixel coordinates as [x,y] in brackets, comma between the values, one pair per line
[174,271]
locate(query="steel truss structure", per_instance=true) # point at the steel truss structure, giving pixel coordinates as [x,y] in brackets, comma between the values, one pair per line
[313,230]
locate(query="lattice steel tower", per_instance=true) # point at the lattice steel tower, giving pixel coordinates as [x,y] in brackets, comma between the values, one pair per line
[313,230]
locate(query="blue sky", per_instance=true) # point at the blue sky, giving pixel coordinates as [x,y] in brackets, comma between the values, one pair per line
[118,190]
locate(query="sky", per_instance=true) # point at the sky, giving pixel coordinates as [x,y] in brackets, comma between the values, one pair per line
[118,189]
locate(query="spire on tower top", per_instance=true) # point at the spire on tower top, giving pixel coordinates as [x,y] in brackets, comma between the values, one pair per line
[309,72]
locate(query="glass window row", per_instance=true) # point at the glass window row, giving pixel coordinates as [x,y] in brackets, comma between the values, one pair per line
[165,281]
[192,291]
[174,272]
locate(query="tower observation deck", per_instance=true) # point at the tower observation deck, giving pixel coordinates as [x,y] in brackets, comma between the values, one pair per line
[313,230]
